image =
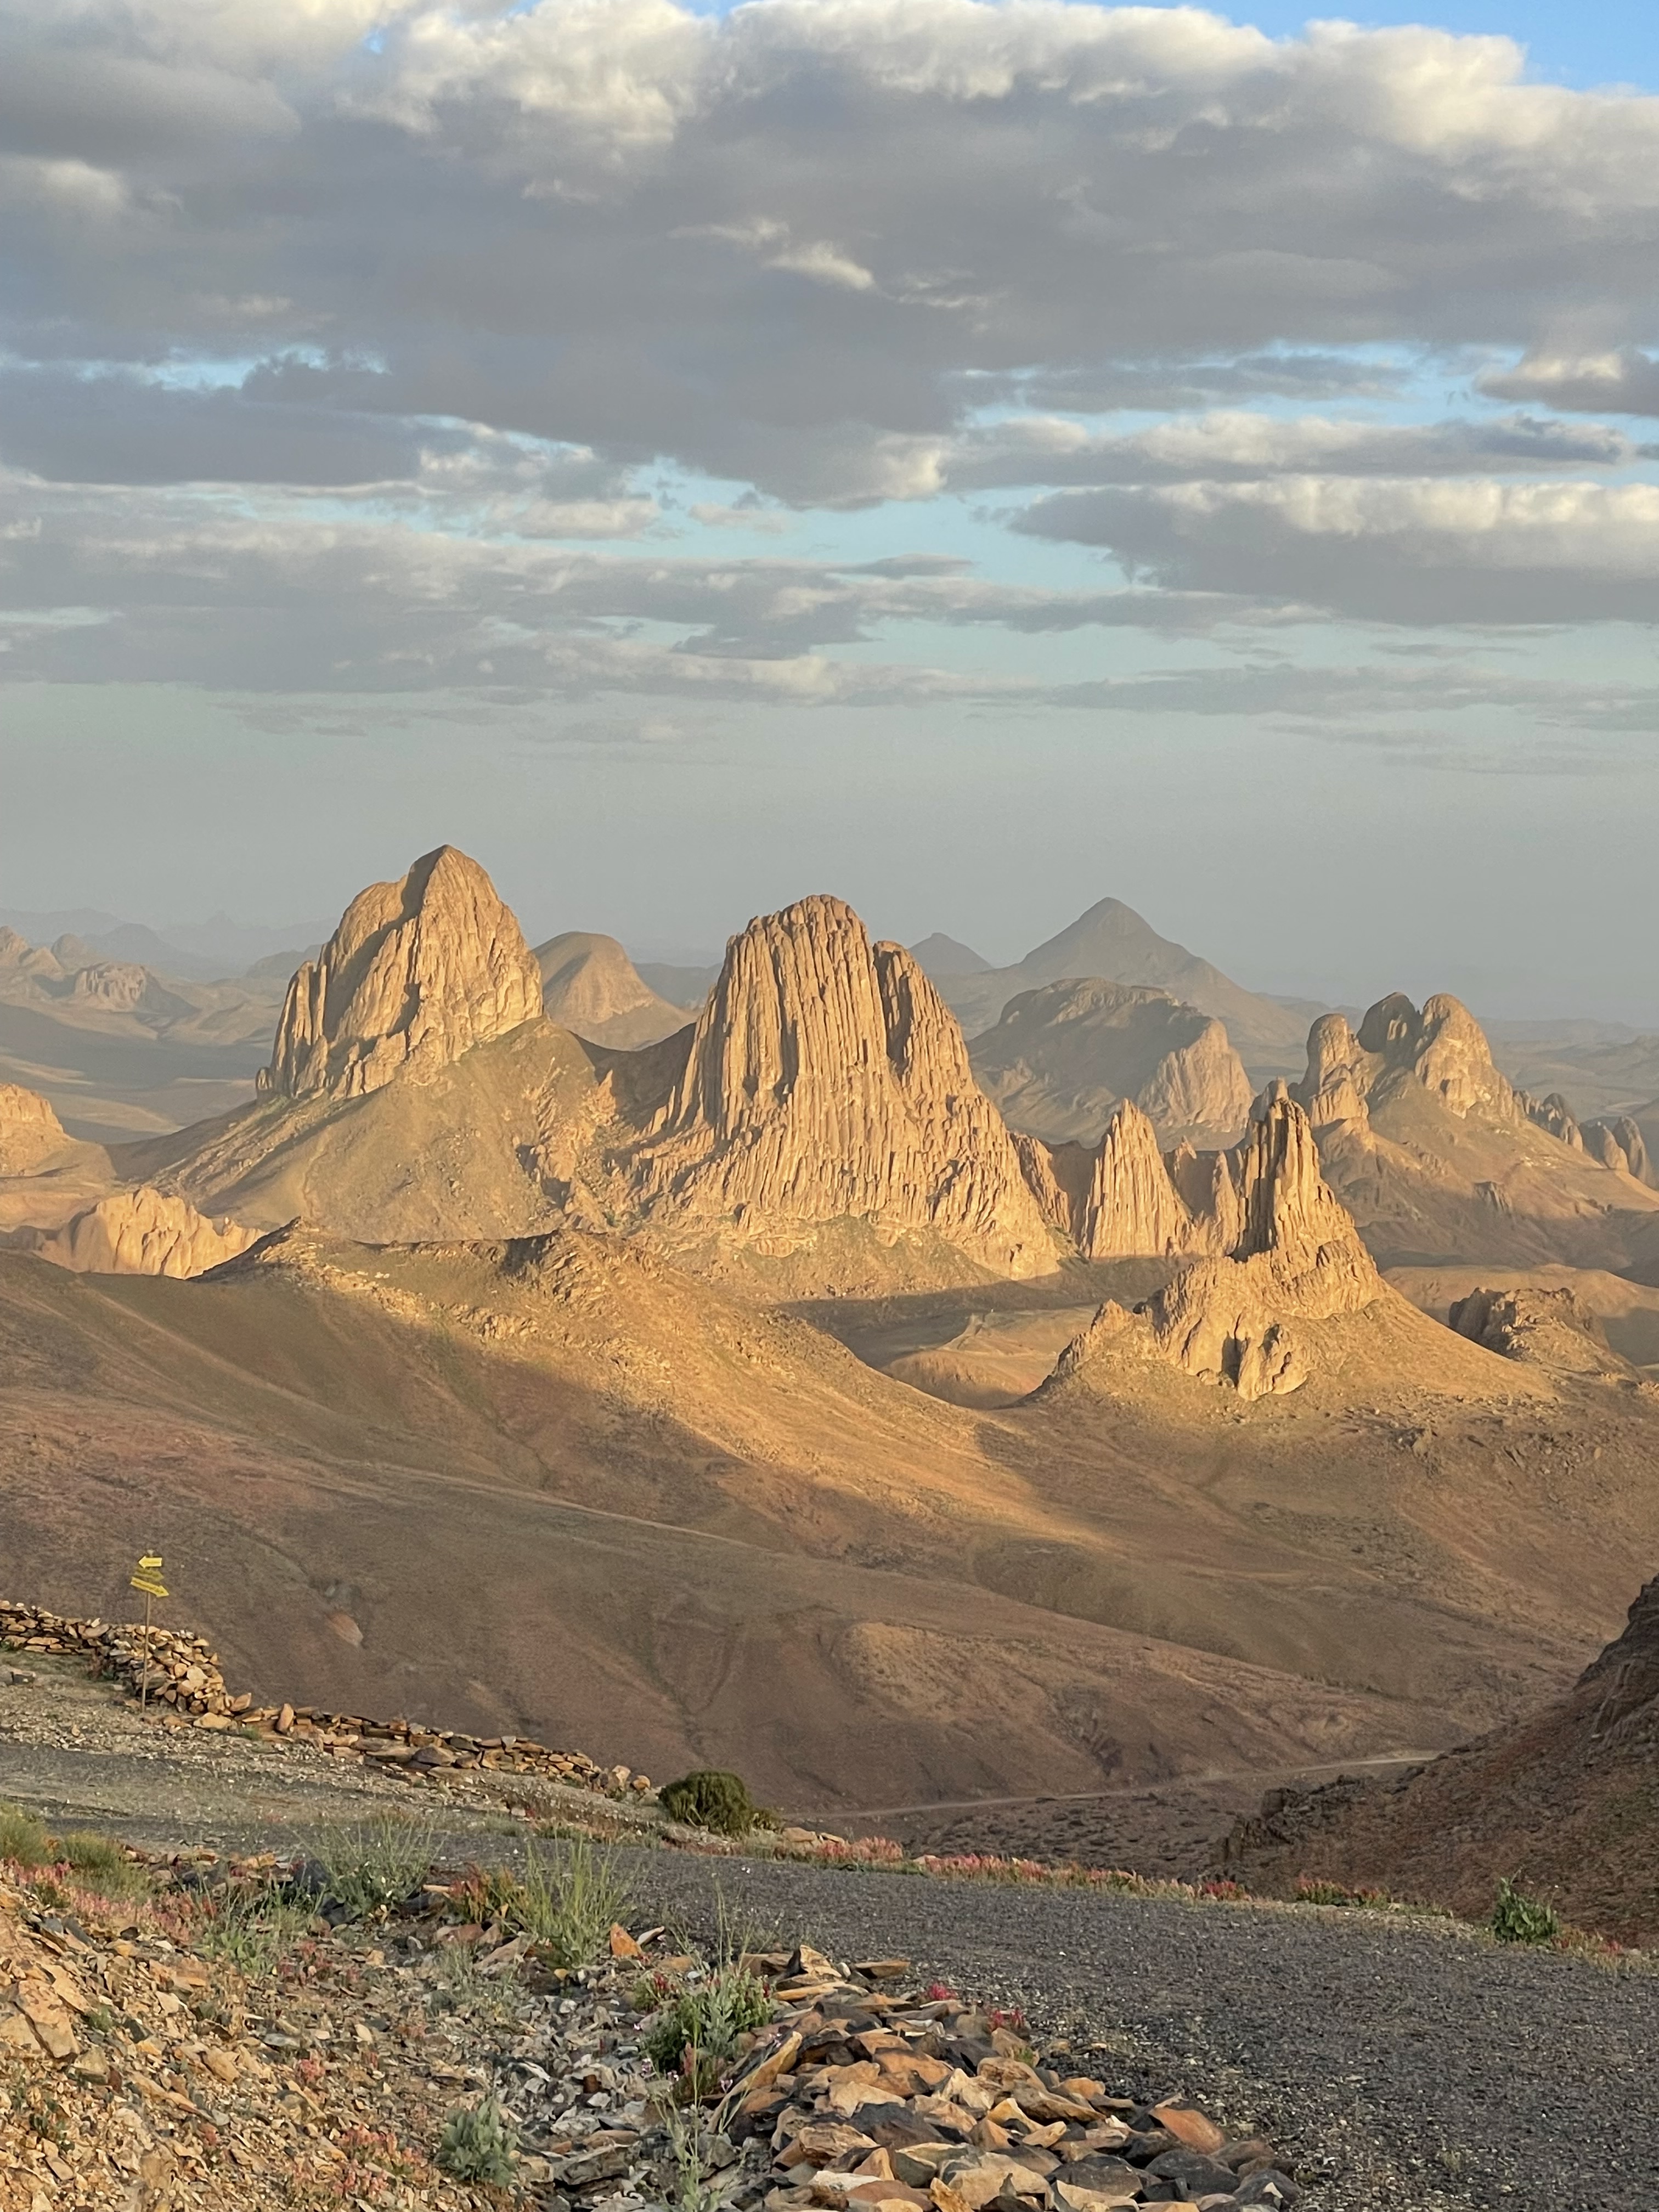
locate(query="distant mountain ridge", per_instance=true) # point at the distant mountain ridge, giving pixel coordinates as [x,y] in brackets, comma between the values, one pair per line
[1112,942]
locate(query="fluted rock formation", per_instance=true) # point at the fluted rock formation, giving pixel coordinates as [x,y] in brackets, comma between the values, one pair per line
[1061,1057]
[825,1080]
[418,972]
[1291,1253]
[143,1232]
[119,984]
[30,1132]
[591,987]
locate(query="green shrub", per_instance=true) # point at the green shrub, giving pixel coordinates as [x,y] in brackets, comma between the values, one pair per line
[1520,1919]
[477,2144]
[707,2020]
[714,1800]
[22,1839]
[378,1863]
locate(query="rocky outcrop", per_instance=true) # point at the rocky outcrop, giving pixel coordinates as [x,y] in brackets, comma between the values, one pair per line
[825,1080]
[591,987]
[143,1232]
[418,973]
[118,983]
[1621,1145]
[1443,1049]
[1554,1115]
[1061,1057]
[1543,1328]
[30,1131]
[1291,1254]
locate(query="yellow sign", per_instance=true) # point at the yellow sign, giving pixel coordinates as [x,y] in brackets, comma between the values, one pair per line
[151,1559]
[149,1585]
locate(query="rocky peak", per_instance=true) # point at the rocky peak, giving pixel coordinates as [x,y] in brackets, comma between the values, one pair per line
[1136,1204]
[590,986]
[30,1131]
[143,1232]
[1443,1048]
[1285,1250]
[1619,1145]
[826,1078]
[418,972]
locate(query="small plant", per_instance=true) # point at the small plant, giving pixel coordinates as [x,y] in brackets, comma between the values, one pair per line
[22,1839]
[714,1800]
[249,1929]
[459,1985]
[99,1863]
[376,1864]
[568,1904]
[707,2022]
[1517,1919]
[477,2144]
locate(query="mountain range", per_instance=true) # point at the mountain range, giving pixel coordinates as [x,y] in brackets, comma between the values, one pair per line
[746,1387]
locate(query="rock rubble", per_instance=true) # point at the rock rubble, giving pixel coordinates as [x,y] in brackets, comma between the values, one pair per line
[179,1673]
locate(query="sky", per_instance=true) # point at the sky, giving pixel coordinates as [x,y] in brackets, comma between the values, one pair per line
[973,456]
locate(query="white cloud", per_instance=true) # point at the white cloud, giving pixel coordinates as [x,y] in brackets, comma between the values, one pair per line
[1418,551]
[528,216]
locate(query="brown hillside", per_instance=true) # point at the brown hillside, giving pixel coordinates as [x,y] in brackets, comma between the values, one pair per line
[1565,1802]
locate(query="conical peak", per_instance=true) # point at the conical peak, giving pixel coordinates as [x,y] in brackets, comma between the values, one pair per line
[418,971]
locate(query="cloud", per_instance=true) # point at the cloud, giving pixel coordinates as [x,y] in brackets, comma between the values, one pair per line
[176,586]
[1625,382]
[1402,552]
[1232,448]
[780,244]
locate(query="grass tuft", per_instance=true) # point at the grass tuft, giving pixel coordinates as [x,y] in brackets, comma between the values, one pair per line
[1517,1919]
[23,1840]
[249,1929]
[374,1866]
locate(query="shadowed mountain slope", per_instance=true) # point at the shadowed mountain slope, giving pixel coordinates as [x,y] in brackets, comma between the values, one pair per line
[1565,1802]
[651,1517]
[1061,1057]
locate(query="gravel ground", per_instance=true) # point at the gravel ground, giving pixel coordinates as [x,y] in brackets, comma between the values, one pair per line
[1412,2064]
[1423,2064]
